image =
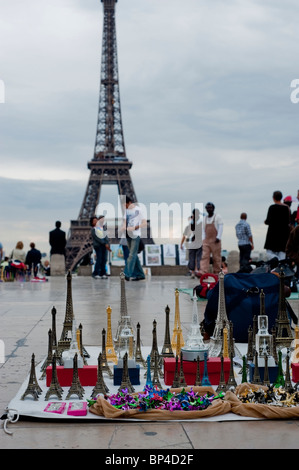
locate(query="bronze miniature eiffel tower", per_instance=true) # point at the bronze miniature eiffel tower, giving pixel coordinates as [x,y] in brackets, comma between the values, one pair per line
[182,380]
[274,346]
[167,348]
[176,383]
[100,386]
[266,379]
[83,352]
[155,380]
[105,365]
[138,354]
[32,388]
[288,383]
[222,383]
[76,387]
[66,334]
[221,321]
[54,336]
[197,377]
[49,358]
[284,335]
[250,344]
[110,351]
[231,383]
[125,381]
[177,323]
[55,388]
[256,374]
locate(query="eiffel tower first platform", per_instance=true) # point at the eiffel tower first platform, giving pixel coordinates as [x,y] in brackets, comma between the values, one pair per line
[110,164]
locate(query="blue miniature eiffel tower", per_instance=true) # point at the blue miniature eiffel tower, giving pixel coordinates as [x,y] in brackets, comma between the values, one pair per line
[205,379]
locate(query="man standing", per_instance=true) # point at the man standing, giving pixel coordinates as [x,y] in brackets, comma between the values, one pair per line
[101,245]
[278,221]
[57,240]
[33,259]
[212,233]
[245,243]
[134,222]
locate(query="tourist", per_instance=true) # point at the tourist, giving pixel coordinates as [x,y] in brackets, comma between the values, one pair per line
[195,243]
[133,223]
[33,259]
[245,243]
[101,246]
[212,233]
[57,240]
[278,221]
[18,253]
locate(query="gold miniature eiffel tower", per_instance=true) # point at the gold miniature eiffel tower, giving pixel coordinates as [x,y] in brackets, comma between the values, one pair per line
[138,354]
[125,381]
[167,348]
[105,365]
[284,335]
[32,388]
[177,323]
[155,380]
[76,387]
[100,386]
[55,388]
[225,343]
[178,346]
[197,377]
[110,351]
[66,334]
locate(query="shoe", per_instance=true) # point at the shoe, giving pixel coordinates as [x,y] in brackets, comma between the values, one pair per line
[96,277]
[104,277]
[137,278]
[127,278]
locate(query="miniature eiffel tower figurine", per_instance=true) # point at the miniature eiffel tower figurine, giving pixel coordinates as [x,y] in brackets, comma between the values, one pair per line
[32,388]
[149,382]
[82,349]
[284,335]
[105,365]
[76,387]
[55,388]
[48,360]
[100,386]
[110,351]
[221,321]
[155,350]
[167,348]
[177,323]
[54,336]
[279,382]
[256,379]
[197,377]
[225,343]
[156,381]
[176,383]
[244,371]
[177,346]
[222,384]
[125,320]
[205,378]
[295,345]
[266,379]
[66,334]
[250,344]
[138,354]
[231,383]
[125,381]
[288,383]
[182,380]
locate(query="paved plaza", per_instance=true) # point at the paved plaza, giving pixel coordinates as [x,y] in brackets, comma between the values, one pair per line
[25,320]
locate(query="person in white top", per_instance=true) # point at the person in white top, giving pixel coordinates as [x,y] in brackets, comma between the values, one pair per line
[135,220]
[212,234]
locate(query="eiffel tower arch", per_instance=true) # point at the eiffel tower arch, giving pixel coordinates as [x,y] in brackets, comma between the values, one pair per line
[110,164]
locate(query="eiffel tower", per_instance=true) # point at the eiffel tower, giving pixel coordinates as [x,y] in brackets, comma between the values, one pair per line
[110,164]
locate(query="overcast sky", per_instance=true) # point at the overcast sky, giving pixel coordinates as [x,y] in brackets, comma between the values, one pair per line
[206,103]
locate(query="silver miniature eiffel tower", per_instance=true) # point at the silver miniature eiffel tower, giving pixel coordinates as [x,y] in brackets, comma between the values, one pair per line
[105,365]
[176,383]
[100,386]
[197,377]
[284,335]
[125,320]
[155,380]
[221,321]
[222,383]
[138,354]
[66,334]
[76,387]
[167,348]
[55,388]
[149,382]
[32,388]
[125,381]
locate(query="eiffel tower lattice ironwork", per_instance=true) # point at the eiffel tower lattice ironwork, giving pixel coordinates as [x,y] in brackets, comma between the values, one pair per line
[110,164]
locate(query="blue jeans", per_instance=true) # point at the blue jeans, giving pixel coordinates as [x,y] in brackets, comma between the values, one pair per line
[133,266]
[101,258]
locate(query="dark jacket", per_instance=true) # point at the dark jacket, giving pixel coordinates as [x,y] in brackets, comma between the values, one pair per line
[57,240]
[33,257]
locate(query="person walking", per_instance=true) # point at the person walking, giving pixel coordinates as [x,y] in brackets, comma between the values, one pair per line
[101,246]
[245,243]
[211,245]
[278,221]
